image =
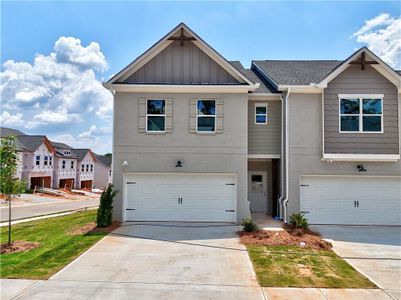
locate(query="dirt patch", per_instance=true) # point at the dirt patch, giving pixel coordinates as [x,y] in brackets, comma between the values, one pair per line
[18,246]
[91,228]
[289,237]
[304,270]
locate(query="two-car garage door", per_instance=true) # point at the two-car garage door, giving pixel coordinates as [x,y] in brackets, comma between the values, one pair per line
[353,200]
[180,197]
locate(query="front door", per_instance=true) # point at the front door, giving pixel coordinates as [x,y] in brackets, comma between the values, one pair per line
[257,191]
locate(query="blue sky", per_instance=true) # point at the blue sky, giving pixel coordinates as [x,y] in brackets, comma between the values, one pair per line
[123,30]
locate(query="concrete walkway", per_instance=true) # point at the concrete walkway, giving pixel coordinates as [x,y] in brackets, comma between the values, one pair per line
[29,211]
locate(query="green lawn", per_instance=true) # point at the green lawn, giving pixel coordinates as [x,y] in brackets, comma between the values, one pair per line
[305,268]
[57,248]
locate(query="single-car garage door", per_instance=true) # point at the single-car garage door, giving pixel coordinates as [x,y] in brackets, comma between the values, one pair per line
[180,197]
[352,200]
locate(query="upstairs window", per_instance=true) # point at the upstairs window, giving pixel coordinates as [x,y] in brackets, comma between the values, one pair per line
[155,115]
[82,168]
[260,113]
[46,160]
[72,164]
[91,168]
[63,164]
[361,113]
[37,160]
[87,168]
[206,116]
[50,160]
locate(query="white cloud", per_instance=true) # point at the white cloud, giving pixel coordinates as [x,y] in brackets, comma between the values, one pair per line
[380,20]
[94,132]
[56,117]
[382,35]
[63,81]
[69,49]
[11,120]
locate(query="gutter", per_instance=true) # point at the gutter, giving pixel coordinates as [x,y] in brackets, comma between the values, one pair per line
[280,199]
[285,200]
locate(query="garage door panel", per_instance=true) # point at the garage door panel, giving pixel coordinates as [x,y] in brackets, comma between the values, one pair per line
[351,200]
[203,197]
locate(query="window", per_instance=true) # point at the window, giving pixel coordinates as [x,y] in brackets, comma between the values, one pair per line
[50,160]
[37,160]
[72,164]
[91,168]
[87,168]
[155,116]
[46,160]
[63,164]
[361,113]
[206,116]
[109,172]
[82,168]
[260,113]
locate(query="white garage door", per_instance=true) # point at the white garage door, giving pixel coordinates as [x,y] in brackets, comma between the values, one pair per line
[351,200]
[180,197]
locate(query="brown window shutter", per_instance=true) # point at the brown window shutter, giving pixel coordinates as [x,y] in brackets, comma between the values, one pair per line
[142,115]
[192,115]
[169,115]
[219,116]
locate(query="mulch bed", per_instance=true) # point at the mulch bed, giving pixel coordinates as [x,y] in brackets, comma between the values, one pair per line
[18,246]
[288,237]
[91,228]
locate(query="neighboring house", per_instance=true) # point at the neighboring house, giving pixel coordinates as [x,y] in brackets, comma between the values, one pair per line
[199,138]
[35,160]
[66,164]
[86,168]
[102,176]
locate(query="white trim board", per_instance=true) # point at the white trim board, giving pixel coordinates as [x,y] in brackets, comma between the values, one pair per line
[164,88]
[263,156]
[361,157]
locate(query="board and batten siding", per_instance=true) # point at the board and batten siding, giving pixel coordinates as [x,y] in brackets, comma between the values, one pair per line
[356,81]
[265,138]
[182,65]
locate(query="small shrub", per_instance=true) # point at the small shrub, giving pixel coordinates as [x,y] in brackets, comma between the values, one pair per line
[249,225]
[298,220]
[105,211]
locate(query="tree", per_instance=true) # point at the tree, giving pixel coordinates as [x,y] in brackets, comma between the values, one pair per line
[9,185]
[108,155]
[105,211]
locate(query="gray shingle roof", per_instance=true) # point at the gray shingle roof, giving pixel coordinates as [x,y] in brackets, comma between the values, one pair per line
[265,86]
[296,72]
[81,153]
[29,142]
[4,131]
[60,147]
[106,160]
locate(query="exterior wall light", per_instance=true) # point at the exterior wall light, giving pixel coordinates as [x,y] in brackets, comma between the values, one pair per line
[124,164]
[361,168]
[178,164]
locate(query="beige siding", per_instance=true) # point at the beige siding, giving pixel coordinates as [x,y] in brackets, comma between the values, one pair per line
[208,153]
[356,81]
[265,138]
[182,65]
[305,146]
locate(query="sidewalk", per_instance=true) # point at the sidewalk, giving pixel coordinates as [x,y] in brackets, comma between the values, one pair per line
[11,288]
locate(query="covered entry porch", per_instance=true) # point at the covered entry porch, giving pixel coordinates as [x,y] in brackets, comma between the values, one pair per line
[263,186]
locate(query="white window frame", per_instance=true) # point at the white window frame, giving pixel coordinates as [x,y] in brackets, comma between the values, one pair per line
[63,164]
[37,159]
[203,116]
[82,168]
[360,115]
[50,160]
[46,160]
[72,165]
[256,114]
[156,115]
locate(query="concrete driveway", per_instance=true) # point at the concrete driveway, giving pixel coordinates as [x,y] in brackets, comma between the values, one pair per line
[158,261]
[374,250]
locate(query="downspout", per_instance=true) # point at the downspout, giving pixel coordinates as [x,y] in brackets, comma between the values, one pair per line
[280,199]
[285,200]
